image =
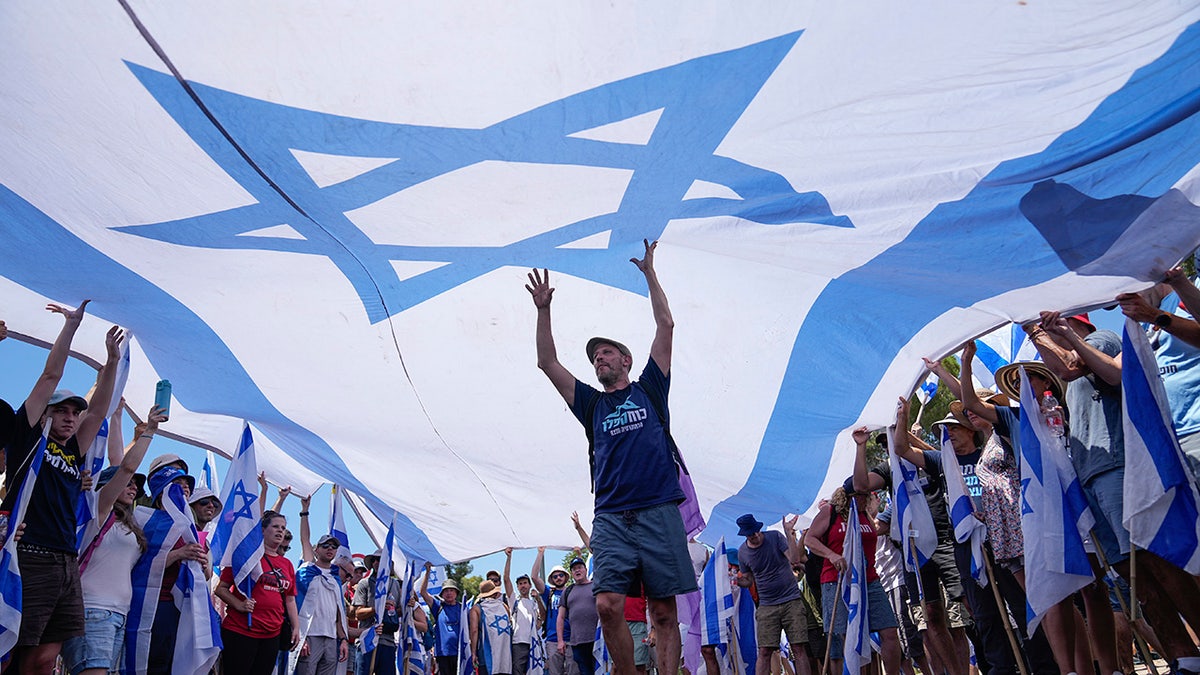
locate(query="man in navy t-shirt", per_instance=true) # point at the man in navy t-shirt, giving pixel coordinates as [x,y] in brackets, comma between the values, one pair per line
[638,535]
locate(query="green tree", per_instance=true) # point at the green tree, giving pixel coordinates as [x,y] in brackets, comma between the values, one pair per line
[572,554]
[461,574]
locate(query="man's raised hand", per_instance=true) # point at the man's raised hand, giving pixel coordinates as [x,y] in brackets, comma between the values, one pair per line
[71,315]
[112,342]
[860,435]
[646,264]
[539,288]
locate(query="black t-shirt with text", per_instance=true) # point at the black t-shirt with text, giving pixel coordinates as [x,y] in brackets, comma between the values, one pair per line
[50,518]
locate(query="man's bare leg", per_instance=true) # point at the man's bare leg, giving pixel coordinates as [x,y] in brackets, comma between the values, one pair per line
[665,617]
[617,638]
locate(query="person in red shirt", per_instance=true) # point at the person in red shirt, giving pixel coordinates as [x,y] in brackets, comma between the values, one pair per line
[251,629]
[825,538]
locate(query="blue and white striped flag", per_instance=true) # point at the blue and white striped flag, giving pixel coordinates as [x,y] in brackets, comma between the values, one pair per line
[466,662]
[716,598]
[1161,499]
[744,636]
[928,389]
[917,535]
[383,578]
[337,523]
[435,580]
[537,652]
[198,643]
[601,663]
[97,452]
[1054,515]
[967,526]
[415,659]
[237,541]
[11,593]
[208,473]
[857,649]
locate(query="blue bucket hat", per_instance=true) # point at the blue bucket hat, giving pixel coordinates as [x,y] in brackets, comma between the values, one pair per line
[748,525]
[159,480]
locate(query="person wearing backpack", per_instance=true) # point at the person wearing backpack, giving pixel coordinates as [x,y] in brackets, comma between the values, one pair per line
[638,533]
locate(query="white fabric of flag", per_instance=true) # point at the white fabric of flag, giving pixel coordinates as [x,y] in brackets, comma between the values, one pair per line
[745,638]
[857,649]
[968,528]
[198,643]
[466,661]
[237,540]
[916,533]
[1055,518]
[11,594]
[337,523]
[1160,492]
[291,244]
[716,598]
[97,452]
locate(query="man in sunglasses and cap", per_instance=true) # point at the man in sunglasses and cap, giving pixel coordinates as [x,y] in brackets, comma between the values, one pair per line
[323,627]
[638,534]
[557,663]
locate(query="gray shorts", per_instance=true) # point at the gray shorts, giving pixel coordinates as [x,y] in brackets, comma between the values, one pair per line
[790,617]
[641,648]
[647,546]
[879,613]
[1105,494]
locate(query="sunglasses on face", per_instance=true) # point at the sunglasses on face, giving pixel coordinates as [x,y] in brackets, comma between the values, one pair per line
[208,501]
[328,544]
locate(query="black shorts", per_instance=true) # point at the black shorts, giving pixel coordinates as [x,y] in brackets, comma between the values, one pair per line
[51,597]
[941,567]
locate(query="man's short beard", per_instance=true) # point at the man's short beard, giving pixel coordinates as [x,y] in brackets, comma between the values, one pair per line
[608,378]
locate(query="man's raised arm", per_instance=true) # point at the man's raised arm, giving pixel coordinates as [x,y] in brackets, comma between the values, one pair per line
[664,323]
[547,355]
[56,361]
[89,426]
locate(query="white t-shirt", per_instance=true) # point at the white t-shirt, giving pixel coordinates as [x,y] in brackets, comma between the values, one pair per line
[525,617]
[106,582]
[319,614]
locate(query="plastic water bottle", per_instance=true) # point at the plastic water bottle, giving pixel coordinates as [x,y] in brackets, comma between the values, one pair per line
[1053,415]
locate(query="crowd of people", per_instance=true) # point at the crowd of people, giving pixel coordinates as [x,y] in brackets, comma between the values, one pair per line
[89,585]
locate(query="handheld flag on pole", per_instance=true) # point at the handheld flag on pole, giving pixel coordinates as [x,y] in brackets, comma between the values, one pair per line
[11,594]
[208,473]
[857,651]
[1161,498]
[716,598]
[916,534]
[383,578]
[601,663]
[967,526]
[435,581]
[97,452]
[1054,515]
[198,643]
[337,523]
[928,389]
[237,541]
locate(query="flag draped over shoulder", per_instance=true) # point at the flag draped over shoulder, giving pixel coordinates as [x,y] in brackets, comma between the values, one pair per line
[917,534]
[968,528]
[198,642]
[97,452]
[1160,492]
[857,650]
[716,598]
[237,541]
[11,594]
[1055,517]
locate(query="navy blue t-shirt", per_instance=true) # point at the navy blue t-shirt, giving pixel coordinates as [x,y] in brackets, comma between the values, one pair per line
[50,519]
[634,466]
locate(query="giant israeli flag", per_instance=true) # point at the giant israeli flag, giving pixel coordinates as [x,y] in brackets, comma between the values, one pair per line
[1161,499]
[1055,518]
[319,219]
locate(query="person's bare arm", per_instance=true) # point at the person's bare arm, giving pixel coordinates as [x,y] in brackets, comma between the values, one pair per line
[1107,368]
[56,361]
[116,439]
[306,549]
[796,554]
[508,586]
[944,376]
[863,480]
[473,622]
[262,492]
[562,641]
[1061,361]
[900,440]
[818,529]
[664,323]
[1134,306]
[128,465]
[1189,295]
[425,586]
[89,426]
[969,398]
[535,574]
[283,495]
[547,355]
[583,535]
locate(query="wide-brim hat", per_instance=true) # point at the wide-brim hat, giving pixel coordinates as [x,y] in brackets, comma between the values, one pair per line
[748,525]
[1008,378]
[107,474]
[451,585]
[67,396]
[993,397]
[597,341]
[201,493]
[488,589]
[558,569]
[159,480]
[163,460]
